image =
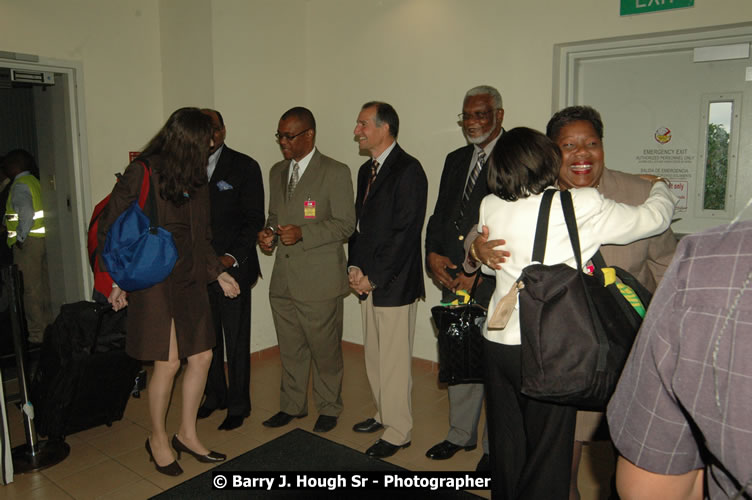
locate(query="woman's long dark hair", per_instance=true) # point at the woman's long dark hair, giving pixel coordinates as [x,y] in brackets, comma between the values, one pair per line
[183,149]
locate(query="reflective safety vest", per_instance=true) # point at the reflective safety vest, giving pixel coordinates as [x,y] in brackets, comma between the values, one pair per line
[11,216]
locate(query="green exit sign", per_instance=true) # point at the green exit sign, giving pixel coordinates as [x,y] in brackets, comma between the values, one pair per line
[629,7]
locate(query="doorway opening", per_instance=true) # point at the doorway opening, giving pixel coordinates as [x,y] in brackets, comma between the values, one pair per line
[41,110]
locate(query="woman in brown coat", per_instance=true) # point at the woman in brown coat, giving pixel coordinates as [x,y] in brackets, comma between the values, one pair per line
[171,320]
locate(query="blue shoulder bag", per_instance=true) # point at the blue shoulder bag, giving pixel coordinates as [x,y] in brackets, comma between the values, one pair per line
[137,252]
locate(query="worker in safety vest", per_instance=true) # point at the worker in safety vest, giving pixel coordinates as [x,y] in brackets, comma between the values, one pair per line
[24,220]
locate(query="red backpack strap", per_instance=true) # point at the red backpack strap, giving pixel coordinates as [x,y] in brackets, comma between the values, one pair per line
[145,183]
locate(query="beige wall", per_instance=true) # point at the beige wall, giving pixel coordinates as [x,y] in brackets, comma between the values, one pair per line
[118,45]
[421,56]
[253,59]
[186,54]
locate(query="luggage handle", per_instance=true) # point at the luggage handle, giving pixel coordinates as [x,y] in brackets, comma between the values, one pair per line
[100,319]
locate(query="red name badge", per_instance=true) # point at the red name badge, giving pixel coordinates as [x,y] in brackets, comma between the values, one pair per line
[309,209]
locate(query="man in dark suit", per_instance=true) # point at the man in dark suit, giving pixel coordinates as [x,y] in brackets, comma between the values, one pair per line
[463,186]
[236,194]
[311,216]
[385,269]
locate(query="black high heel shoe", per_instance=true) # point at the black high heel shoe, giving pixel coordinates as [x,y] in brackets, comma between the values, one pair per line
[172,469]
[209,458]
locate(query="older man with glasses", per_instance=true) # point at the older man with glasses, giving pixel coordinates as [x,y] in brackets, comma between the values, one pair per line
[463,186]
[311,216]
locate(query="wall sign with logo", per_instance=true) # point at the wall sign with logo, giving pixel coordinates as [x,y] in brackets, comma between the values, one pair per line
[630,7]
[665,157]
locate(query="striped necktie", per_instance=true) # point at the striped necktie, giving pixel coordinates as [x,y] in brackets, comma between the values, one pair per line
[473,179]
[293,180]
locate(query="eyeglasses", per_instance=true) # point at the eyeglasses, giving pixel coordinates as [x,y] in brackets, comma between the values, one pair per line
[288,136]
[478,115]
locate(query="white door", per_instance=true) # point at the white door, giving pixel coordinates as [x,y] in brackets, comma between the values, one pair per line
[669,112]
[55,159]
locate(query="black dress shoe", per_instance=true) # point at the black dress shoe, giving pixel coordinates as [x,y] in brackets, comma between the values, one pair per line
[209,458]
[384,449]
[172,469]
[368,425]
[231,422]
[205,411]
[281,418]
[325,423]
[446,449]
[484,465]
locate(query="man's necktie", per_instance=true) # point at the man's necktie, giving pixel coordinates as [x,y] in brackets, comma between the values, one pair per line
[374,168]
[472,180]
[293,180]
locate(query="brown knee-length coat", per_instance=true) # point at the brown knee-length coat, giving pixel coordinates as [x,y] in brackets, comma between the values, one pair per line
[182,297]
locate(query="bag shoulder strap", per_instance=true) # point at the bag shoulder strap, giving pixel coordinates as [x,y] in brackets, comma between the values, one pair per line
[145,184]
[541,228]
[574,237]
[569,217]
[147,199]
[478,272]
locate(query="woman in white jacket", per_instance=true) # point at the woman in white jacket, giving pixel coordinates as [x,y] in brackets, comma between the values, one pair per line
[531,441]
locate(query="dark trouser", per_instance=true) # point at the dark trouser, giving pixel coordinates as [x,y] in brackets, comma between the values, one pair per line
[233,316]
[530,441]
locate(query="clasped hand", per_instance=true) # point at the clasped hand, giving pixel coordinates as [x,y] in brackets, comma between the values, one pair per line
[118,298]
[229,286]
[359,282]
[289,234]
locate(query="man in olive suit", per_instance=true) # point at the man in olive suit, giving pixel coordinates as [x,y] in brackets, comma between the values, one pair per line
[311,216]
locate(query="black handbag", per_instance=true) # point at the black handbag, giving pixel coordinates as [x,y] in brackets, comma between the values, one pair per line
[460,340]
[576,332]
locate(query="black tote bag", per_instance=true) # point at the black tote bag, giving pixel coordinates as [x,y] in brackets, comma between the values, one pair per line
[460,340]
[576,333]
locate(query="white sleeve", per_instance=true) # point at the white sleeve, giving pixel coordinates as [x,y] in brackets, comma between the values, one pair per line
[618,223]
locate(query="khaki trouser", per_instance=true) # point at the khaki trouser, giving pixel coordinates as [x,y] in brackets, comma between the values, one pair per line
[388,334]
[31,259]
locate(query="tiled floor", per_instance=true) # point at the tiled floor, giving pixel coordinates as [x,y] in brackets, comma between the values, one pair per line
[110,462]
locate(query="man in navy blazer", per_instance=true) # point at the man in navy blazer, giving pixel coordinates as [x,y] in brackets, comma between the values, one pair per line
[236,196]
[385,269]
[463,186]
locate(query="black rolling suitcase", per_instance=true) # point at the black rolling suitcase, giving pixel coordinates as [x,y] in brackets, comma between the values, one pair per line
[84,377]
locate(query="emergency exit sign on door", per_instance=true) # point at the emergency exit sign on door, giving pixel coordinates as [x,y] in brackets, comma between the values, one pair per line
[629,7]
